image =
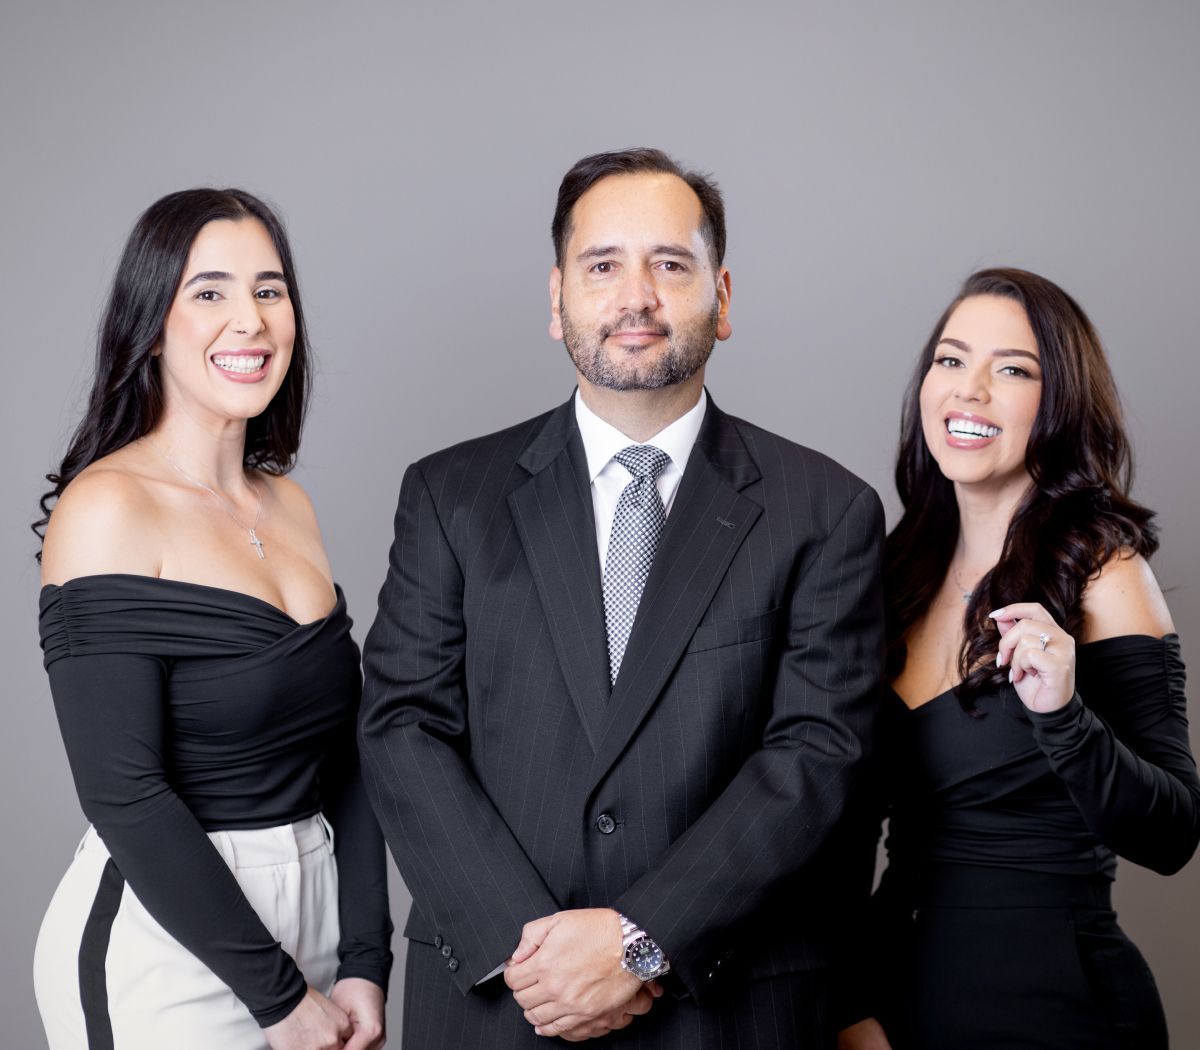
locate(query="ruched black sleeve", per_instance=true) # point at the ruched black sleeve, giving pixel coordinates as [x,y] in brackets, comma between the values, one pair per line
[112,712]
[363,914]
[1123,754]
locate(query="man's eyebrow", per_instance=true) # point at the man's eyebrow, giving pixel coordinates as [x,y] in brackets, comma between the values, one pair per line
[225,275]
[605,251]
[673,249]
[1003,351]
[602,251]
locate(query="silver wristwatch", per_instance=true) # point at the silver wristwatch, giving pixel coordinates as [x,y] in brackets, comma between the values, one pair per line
[642,957]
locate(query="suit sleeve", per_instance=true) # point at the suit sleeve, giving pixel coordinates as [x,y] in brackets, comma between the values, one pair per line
[112,712]
[469,877]
[789,794]
[865,956]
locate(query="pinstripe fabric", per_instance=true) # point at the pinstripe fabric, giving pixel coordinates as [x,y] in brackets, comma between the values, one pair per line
[783,1013]
[724,755]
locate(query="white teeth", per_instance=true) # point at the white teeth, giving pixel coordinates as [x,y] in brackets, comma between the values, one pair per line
[966,428]
[239,364]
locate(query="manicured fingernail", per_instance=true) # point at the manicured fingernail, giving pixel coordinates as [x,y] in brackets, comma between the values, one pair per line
[994,613]
[1010,675]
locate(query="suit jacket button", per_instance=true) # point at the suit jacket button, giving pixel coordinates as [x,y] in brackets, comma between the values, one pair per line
[447,951]
[437,941]
[605,824]
[452,965]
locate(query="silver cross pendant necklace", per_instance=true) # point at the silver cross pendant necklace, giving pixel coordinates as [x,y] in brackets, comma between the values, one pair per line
[255,542]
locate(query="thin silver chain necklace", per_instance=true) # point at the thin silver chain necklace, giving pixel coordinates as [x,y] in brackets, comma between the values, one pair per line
[255,542]
[966,595]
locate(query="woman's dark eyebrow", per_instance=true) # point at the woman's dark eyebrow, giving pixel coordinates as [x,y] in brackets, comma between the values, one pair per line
[210,275]
[999,352]
[225,275]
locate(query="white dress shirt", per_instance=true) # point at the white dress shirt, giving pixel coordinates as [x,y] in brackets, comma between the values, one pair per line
[602,441]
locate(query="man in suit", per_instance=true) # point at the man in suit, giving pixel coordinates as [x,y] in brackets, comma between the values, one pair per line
[622,674]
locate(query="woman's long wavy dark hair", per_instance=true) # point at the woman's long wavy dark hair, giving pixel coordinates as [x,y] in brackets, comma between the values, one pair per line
[126,399]
[1075,517]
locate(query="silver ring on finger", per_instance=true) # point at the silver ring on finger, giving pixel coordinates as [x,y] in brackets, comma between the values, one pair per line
[1044,639]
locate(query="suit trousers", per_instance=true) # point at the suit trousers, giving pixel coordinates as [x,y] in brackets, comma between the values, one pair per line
[790,1012]
[109,977]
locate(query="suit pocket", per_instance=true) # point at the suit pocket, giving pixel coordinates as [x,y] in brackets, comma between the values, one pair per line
[735,631]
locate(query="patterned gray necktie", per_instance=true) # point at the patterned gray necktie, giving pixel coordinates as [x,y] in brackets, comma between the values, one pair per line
[637,525]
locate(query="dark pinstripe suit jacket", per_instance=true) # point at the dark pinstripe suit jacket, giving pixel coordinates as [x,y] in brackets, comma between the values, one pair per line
[699,797]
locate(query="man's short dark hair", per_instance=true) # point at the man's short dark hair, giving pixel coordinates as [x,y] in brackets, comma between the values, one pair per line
[643,160]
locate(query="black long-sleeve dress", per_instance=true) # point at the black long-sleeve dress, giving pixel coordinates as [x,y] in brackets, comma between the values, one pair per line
[187,709]
[993,924]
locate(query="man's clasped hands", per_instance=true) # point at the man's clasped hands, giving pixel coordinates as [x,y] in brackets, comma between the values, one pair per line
[566,975]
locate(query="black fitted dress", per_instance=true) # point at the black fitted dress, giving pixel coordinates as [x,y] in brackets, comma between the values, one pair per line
[188,709]
[993,925]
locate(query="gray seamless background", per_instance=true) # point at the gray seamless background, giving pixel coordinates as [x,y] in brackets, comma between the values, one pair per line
[872,154]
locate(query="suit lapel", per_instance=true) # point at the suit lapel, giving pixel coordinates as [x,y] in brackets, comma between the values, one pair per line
[556,523]
[707,524]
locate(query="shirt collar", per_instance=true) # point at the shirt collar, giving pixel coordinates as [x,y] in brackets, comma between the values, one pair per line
[602,441]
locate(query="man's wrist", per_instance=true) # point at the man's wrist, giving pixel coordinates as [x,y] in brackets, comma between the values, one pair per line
[641,955]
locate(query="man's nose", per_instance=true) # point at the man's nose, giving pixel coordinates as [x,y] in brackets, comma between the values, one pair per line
[638,292]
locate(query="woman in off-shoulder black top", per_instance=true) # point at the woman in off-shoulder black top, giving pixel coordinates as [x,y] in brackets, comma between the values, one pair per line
[187,709]
[1012,792]
[1004,832]
[231,891]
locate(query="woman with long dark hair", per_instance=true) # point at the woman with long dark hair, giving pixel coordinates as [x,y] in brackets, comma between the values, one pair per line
[203,673]
[1036,729]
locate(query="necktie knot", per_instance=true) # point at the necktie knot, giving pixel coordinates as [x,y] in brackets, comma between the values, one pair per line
[643,461]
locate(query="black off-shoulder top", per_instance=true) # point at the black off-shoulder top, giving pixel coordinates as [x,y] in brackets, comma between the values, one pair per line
[1109,774]
[1063,794]
[186,709]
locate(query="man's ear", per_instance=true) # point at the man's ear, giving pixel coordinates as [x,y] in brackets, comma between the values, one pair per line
[555,304]
[724,292]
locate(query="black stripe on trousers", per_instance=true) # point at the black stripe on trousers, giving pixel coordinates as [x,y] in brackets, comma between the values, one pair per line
[93,950]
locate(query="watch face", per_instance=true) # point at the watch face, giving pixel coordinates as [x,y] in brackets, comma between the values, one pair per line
[645,957]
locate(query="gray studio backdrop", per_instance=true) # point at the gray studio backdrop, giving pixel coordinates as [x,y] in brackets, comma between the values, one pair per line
[871,154]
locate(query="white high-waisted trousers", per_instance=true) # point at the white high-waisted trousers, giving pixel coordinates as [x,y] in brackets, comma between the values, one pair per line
[159,995]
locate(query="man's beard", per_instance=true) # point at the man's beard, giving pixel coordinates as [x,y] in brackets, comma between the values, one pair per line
[688,348]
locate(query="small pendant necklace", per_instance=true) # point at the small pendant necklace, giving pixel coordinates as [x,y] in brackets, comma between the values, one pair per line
[255,542]
[966,595]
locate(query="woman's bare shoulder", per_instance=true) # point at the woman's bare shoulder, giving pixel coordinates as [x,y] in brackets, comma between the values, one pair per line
[1125,598]
[104,522]
[289,493]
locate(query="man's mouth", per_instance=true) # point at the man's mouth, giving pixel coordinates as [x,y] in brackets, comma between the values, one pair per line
[637,335]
